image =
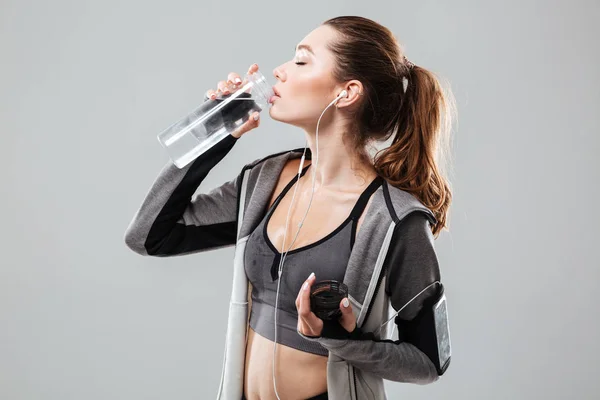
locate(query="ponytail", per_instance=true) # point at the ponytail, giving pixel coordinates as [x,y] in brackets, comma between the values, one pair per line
[422,127]
[418,118]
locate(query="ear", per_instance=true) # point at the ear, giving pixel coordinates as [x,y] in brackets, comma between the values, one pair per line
[355,93]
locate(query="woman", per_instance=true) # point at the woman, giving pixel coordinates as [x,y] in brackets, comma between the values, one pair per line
[371,224]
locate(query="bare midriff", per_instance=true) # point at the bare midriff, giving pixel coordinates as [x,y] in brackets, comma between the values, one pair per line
[299,375]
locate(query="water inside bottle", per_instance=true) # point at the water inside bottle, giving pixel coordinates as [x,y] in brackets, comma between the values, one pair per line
[207,125]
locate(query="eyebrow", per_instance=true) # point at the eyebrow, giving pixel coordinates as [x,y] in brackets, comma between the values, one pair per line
[304,46]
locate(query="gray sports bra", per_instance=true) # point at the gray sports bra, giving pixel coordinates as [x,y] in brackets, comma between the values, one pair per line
[327,257]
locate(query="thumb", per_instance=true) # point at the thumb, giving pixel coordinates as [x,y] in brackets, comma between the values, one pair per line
[347,320]
[251,123]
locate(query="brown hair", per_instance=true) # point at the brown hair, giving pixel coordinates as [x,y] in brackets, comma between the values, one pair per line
[419,116]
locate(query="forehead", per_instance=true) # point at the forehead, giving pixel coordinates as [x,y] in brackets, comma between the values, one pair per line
[318,38]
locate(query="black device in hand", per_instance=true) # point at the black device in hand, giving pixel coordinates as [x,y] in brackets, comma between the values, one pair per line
[325,298]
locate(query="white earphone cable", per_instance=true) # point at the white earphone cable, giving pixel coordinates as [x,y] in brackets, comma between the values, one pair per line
[281,261]
[402,308]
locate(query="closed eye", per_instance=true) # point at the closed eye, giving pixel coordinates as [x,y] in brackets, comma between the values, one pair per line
[300,63]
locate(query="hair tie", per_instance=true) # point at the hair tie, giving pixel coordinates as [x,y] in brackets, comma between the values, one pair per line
[409,64]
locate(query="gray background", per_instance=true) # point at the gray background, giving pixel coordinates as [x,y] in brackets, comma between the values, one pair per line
[85,88]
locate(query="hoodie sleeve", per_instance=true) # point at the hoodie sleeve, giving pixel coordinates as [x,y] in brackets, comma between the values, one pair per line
[170,223]
[410,266]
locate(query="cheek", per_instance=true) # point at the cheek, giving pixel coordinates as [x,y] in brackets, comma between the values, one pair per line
[307,94]
[312,88]
[310,81]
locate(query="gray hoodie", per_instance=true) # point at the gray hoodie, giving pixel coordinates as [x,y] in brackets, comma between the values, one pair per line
[391,251]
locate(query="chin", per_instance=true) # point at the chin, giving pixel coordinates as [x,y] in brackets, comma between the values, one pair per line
[273,114]
[276,115]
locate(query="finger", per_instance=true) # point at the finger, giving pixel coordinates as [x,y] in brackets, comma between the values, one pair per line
[253,122]
[309,323]
[345,306]
[347,320]
[301,291]
[304,295]
[253,68]
[234,79]
[211,94]
[222,87]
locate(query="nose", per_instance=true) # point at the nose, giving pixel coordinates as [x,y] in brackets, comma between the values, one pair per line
[279,74]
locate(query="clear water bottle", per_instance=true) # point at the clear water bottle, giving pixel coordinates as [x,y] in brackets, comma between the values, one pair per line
[212,121]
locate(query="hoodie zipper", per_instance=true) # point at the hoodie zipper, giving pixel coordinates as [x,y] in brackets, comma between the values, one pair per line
[369,308]
[354,376]
[352,382]
[379,280]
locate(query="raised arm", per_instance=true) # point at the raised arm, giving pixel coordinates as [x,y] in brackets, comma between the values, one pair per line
[170,223]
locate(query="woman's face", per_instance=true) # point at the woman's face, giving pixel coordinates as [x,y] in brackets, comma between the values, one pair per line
[305,83]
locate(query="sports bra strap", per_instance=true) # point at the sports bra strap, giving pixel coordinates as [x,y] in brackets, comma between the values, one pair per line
[290,184]
[362,201]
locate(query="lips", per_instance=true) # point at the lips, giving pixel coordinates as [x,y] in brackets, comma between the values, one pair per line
[275,96]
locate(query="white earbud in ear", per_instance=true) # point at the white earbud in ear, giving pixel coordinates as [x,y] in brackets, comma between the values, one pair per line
[343,93]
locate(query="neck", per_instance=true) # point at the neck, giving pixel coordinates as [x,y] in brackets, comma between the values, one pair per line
[339,166]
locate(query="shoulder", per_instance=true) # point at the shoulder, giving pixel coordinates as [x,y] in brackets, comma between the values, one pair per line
[268,159]
[401,204]
[279,158]
[411,264]
[268,172]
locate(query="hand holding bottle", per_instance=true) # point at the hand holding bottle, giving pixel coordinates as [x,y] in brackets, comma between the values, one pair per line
[230,111]
[233,83]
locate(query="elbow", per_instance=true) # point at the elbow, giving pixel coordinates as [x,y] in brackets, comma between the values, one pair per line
[424,374]
[422,379]
[429,374]
[425,378]
[428,379]
[134,241]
